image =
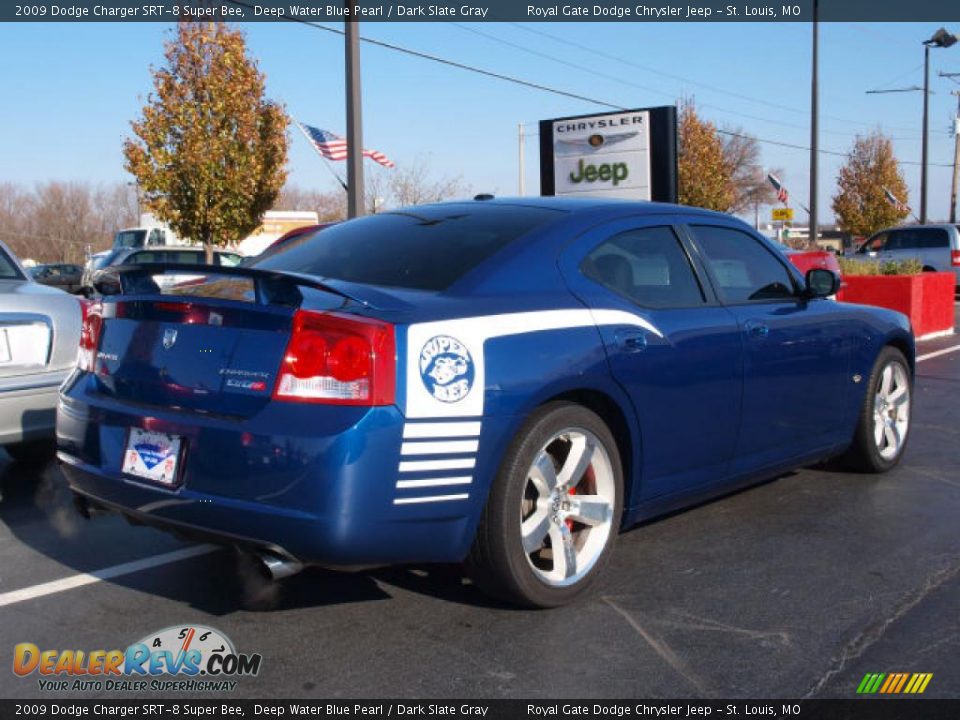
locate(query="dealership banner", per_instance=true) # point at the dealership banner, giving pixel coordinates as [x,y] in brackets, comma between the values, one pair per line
[485,709]
[939,11]
[630,155]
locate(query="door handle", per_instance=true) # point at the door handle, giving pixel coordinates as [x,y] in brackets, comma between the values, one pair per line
[631,340]
[756,329]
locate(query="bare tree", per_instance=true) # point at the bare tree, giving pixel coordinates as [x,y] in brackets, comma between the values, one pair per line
[748,178]
[415,185]
[56,221]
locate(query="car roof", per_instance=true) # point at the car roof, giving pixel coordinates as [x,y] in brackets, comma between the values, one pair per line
[912,226]
[585,205]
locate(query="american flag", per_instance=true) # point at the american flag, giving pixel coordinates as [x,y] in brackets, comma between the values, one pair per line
[782,194]
[895,201]
[334,147]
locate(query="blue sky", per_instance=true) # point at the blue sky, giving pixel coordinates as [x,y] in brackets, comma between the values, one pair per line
[70,91]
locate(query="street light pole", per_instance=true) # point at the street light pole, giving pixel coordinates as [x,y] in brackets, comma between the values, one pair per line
[926,122]
[814,123]
[942,39]
[355,206]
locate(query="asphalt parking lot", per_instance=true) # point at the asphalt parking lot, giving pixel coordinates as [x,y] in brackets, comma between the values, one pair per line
[794,588]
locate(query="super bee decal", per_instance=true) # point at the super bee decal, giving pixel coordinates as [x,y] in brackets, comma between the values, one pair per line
[446,368]
[445,364]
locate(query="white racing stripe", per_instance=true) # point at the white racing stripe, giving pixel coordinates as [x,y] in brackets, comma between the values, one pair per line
[429,499]
[445,447]
[434,482]
[938,353]
[418,465]
[440,430]
[128,568]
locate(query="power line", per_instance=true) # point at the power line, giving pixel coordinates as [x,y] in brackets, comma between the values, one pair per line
[706,86]
[530,84]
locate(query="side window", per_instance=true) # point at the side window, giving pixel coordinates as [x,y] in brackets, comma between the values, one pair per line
[186,257]
[874,244]
[140,258]
[901,240]
[647,266]
[744,270]
[932,238]
[228,259]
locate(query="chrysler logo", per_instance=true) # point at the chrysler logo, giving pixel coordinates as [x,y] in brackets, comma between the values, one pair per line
[169,338]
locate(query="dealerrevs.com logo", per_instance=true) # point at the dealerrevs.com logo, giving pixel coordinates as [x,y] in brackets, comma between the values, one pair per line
[186,658]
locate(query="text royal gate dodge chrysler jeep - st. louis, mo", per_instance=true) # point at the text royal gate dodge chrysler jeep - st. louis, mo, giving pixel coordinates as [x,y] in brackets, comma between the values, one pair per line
[506,383]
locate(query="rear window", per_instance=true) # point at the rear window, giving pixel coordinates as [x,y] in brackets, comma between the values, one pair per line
[8,270]
[426,248]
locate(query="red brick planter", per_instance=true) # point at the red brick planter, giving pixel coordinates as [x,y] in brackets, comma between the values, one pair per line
[927,298]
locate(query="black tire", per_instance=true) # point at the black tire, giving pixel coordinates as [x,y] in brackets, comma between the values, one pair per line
[32,452]
[864,455]
[498,562]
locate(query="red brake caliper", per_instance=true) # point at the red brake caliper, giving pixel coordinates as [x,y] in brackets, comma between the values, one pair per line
[568,521]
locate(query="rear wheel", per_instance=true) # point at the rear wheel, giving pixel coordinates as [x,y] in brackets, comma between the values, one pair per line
[32,451]
[553,512]
[884,423]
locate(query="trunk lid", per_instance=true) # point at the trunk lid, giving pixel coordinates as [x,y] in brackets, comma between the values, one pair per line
[212,344]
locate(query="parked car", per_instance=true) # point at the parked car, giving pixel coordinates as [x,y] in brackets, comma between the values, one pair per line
[285,242]
[39,337]
[808,259]
[937,247]
[60,275]
[156,256]
[504,382]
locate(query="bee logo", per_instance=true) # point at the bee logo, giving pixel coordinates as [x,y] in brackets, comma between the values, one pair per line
[446,368]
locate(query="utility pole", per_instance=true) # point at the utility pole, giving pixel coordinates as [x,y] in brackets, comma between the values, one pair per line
[814,123]
[956,161]
[355,185]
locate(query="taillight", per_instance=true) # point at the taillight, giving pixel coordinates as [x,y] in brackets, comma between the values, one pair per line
[338,359]
[90,335]
[955,257]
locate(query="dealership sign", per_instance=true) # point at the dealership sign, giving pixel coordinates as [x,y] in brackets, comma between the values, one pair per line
[630,154]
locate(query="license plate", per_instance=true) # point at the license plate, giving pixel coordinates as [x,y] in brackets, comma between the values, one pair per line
[5,356]
[153,456]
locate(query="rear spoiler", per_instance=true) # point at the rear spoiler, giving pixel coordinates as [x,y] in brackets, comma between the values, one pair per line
[270,287]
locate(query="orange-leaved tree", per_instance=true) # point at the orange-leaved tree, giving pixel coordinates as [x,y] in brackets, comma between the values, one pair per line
[705,178]
[861,205]
[210,150]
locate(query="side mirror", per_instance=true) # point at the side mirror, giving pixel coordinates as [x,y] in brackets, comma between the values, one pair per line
[821,283]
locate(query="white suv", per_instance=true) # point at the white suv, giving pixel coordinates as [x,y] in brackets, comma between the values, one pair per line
[936,246]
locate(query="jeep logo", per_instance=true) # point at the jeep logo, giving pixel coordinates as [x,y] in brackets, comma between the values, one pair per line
[604,173]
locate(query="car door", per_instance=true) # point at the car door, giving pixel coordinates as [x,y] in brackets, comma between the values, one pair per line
[683,370]
[795,350]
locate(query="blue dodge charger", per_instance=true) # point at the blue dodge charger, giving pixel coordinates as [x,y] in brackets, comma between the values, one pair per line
[503,382]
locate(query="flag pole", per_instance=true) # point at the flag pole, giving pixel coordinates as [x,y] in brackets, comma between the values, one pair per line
[325,161]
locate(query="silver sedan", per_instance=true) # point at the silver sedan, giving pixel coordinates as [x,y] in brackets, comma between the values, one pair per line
[39,339]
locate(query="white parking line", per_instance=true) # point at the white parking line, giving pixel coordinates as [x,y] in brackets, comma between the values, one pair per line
[938,353]
[75,581]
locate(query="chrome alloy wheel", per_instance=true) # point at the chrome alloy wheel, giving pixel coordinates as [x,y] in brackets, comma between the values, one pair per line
[891,410]
[567,507]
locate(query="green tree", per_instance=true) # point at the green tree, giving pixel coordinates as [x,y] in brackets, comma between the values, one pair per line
[705,177]
[210,150]
[860,204]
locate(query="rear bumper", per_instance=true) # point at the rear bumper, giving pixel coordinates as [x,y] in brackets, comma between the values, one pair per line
[315,484]
[28,406]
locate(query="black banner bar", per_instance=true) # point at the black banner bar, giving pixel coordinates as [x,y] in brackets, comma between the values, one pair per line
[936,11]
[868,709]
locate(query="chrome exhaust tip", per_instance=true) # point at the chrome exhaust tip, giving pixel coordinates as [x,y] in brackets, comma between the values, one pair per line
[278,568]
